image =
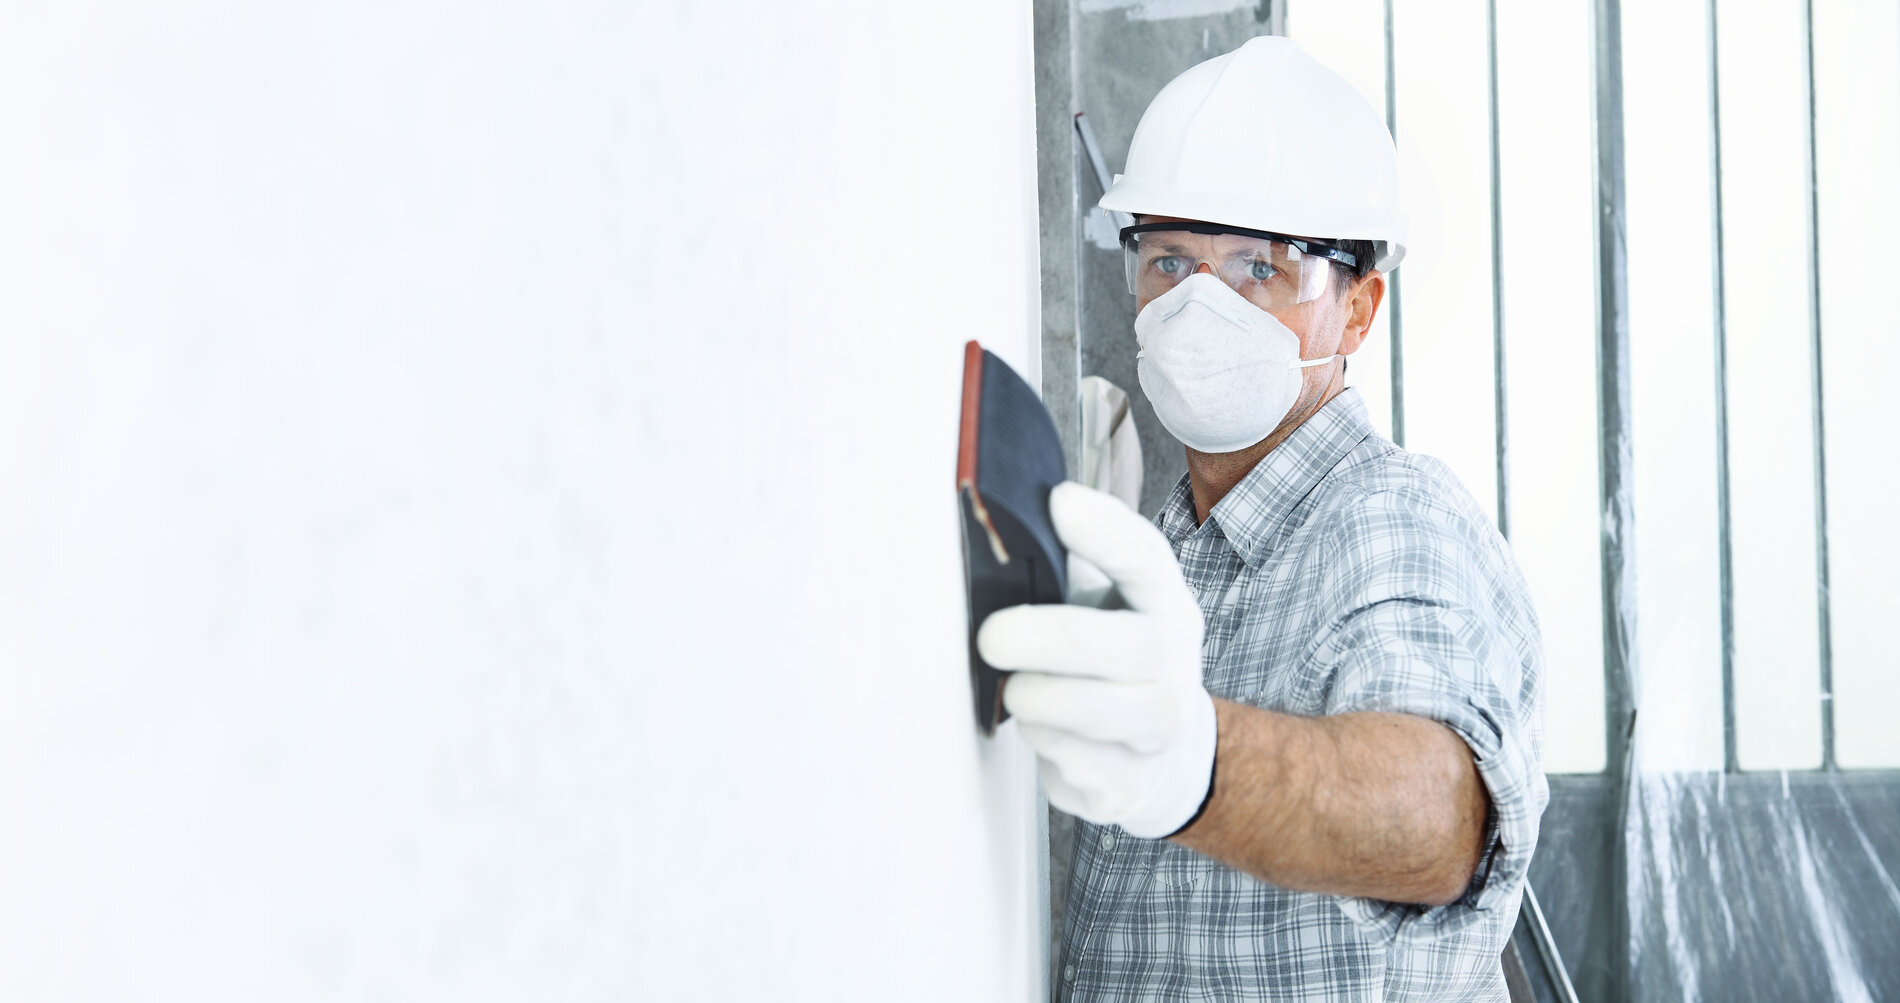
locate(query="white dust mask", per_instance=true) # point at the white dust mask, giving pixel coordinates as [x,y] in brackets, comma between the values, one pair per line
[1221,372]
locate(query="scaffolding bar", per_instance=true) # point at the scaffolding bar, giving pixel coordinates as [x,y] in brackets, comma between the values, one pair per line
[1502,449]
[1396,326]
[1813,210]
[1725,551]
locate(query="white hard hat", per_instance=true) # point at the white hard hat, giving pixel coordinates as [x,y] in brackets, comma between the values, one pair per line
[1266,138]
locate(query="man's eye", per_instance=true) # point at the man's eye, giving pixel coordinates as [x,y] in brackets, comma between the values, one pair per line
[1260,271]
[1169,265]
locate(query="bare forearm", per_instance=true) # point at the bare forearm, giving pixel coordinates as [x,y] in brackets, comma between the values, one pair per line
[1386,806]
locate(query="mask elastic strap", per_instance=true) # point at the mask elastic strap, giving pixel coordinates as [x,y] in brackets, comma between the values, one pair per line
[1310,363]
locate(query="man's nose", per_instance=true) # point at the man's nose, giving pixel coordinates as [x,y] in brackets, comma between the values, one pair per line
[1204,266]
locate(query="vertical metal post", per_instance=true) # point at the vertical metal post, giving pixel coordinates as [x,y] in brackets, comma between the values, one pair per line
[1613,441]
[1725,551]
[1814,375]
[1058,202]
[1398,343]
[1058,221]
[1497,272]
[1613,456]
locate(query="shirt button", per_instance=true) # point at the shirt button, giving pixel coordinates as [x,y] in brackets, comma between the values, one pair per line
[1108,841]
[1068,973]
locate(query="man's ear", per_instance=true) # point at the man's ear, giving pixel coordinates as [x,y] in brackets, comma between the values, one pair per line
[1362,305]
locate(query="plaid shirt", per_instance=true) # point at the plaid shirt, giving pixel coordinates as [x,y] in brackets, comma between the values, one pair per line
[1341,574]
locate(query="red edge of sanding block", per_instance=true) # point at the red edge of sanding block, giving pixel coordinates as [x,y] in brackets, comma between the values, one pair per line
[972,401]
[967,437]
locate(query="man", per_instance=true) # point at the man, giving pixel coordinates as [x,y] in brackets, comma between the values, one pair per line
[1307,751]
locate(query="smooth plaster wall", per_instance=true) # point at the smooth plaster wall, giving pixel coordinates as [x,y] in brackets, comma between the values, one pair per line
[478,517]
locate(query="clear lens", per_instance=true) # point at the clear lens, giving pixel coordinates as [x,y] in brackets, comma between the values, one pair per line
[1270,273]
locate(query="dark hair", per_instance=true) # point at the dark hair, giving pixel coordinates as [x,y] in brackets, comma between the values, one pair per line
[1364,251]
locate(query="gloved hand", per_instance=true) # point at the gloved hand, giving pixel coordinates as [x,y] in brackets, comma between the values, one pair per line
[1111,700]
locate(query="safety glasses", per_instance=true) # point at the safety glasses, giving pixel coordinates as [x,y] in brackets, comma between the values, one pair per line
[1270,269]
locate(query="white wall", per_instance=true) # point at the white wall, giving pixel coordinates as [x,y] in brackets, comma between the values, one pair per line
[478,518]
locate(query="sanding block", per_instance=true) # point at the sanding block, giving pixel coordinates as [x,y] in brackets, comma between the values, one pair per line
[1008,459]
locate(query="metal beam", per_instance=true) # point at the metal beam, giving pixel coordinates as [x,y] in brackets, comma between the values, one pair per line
[1725,550]
[1497,273]
[1613,393]
[1813,209]
[1547,948]
[1396,327]
[1057,199]
[1617,533]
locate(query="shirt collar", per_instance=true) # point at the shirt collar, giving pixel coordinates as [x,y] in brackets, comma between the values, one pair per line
[1251,514]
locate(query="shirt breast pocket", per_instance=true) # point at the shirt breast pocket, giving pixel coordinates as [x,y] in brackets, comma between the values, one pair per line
[1220,671]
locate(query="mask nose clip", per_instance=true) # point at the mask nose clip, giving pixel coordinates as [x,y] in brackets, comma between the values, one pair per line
[1210,294]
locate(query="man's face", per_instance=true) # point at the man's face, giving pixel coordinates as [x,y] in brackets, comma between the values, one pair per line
[1335,322]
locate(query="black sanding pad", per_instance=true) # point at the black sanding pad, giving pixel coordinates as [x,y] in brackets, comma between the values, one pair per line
[1008,459]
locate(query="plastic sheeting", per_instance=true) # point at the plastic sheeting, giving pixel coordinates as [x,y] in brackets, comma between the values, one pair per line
[1111,444]
[1777,886]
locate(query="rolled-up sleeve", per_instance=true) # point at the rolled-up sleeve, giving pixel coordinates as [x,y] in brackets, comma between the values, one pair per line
[1422,627]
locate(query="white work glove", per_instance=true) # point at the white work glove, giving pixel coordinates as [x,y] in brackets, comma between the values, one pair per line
[1111,700]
